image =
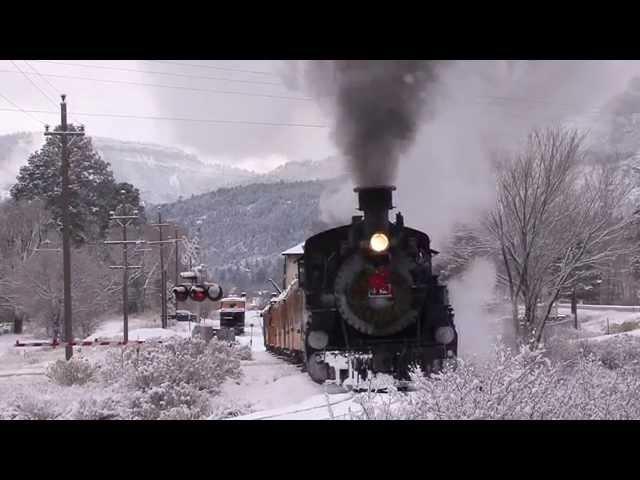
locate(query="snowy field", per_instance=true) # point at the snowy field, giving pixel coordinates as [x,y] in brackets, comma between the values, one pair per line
[593,320]
[269,388]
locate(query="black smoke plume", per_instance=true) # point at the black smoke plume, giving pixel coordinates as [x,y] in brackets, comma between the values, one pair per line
[378,106]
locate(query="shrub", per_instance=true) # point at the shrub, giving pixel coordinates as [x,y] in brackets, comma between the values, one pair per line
[172,380]
[203,365]
[244,352]
[35,408]
[524,385]
[95,408]
[178,401]
[627,326]
[70,372]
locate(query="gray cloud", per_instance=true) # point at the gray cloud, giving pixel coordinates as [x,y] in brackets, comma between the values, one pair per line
[237,142]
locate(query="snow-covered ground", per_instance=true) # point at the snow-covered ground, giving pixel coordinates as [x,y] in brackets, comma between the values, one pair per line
[274,389]
[594,321]
[270,388]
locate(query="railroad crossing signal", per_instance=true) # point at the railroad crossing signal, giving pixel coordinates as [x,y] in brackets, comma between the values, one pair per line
[181,292]
[198,292]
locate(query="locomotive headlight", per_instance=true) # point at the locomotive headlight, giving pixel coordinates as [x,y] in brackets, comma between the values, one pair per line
[444,335]
[379,242]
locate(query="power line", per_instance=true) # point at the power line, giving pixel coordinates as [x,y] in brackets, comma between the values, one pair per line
[34,84]
[258,72]
[53,87]
[105,67]
[175,87]
[179,119]
[26,112]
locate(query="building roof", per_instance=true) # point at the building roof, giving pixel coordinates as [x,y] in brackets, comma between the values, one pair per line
[297,250]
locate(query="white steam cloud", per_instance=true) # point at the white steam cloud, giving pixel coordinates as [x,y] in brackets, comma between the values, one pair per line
[470,293]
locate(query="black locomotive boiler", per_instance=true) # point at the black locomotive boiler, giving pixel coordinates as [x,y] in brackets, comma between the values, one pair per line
[365,301]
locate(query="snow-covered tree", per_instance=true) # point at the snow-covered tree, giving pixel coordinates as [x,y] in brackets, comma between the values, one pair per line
[555,222]
[37,288]
[93,189]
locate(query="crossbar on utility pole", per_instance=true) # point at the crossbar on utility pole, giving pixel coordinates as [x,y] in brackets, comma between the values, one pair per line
[64,134]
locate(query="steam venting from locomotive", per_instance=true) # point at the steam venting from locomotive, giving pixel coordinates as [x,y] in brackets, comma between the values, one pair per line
[378,106]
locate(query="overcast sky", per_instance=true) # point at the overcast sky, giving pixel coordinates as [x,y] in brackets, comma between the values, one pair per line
[257,98]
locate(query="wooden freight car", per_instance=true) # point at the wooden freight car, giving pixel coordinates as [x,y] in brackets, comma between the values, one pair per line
[284,316]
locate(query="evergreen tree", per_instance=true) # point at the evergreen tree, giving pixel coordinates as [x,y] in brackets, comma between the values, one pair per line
[93,189]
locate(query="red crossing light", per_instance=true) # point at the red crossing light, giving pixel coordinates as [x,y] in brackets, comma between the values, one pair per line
[198,293]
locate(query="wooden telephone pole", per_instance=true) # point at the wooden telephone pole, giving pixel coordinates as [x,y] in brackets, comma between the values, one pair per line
[163,271]
[124,220]
[177,243]
[64,135]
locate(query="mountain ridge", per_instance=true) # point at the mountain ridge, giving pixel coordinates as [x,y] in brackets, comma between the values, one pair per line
[163,174]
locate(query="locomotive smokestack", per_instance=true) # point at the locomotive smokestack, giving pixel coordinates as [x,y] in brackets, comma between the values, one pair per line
[375,202]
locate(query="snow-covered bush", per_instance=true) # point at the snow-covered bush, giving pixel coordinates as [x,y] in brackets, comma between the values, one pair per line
[34,408]
[523,385]
[205,366]
[39,402]
[170,380]
[155,381]
[617,352]
[168,401]
[244,352]
[613,352]
[627,326]
[70,372]
[96,407]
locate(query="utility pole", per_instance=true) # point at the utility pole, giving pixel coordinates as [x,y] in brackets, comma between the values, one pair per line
[574,308]
[64,134]
[163,272]
[176,243]
[121,217]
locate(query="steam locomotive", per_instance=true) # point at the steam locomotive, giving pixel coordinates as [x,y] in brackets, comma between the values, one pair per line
[364,301]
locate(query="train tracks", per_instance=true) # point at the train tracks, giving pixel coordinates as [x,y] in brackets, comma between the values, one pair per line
[321,408]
